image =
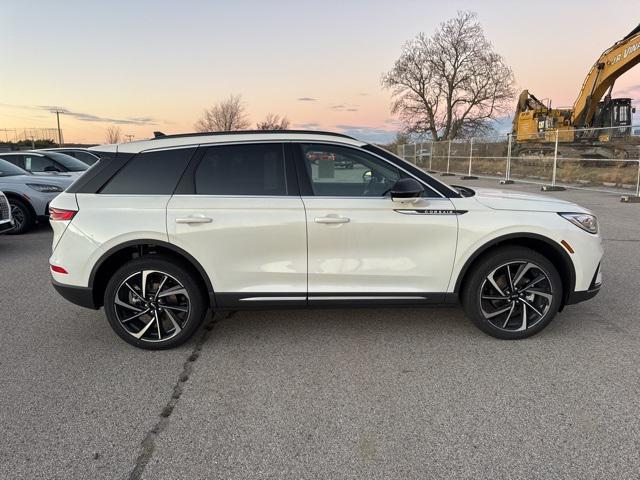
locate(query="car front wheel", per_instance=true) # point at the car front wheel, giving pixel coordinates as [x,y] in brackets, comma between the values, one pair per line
[512,293]
[154,303]
[23,219]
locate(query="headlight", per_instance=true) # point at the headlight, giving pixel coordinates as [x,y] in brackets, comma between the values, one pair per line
[44,188]
[586,222]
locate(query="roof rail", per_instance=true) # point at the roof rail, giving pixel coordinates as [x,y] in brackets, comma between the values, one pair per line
[248,132]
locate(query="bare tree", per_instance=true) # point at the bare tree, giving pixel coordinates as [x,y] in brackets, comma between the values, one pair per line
[225,116]
[451,84]
[113,135]
[273,122]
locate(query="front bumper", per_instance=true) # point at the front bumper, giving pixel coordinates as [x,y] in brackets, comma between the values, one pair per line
[594,289]
[6,226]
[577,297]
[82,296]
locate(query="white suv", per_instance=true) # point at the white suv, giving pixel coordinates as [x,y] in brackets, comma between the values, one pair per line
[161,230]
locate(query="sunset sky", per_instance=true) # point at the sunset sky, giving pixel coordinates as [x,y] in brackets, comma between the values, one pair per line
[154,65]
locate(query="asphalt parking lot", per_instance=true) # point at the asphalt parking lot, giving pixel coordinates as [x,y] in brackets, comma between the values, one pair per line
[358,394]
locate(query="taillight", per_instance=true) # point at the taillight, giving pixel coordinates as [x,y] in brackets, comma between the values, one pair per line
[58,269]
[60,214]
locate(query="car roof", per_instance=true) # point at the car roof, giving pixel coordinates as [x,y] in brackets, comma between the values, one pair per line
[22,152]
[60,149]
[212,138]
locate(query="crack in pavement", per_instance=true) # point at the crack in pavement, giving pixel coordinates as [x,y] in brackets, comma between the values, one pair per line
[149,442]
[633,240]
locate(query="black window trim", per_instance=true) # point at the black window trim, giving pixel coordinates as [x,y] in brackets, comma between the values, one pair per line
[306,189]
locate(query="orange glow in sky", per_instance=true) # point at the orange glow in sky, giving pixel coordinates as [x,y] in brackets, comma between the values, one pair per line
[148,66]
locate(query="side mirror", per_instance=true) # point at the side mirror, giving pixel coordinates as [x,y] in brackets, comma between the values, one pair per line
[406,190]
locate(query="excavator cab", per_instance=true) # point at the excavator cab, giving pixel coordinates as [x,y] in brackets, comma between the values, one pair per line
[616,113]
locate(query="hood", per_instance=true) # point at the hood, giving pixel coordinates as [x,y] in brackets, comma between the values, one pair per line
[511,200]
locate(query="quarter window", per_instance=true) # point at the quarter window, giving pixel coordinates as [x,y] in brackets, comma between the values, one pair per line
[337,171]
[151,173]
[254,169]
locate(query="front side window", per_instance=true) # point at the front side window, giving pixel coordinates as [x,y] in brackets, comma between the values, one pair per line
[337,171]
[250,169]
[150,173]
[35,163]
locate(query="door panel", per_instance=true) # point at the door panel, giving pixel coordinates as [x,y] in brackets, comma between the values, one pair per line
[377,249]
[246,244]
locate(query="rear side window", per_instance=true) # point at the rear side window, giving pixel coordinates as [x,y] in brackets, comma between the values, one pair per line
[255,169]
[84,157]
[17,160]
[152,173]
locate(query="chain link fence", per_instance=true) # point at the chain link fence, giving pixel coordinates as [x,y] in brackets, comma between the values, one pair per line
[598,159]
[15,135]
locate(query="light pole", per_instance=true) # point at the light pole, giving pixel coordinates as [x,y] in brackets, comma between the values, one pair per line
[58,111]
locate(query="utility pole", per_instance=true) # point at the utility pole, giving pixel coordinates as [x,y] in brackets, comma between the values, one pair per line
[58,111]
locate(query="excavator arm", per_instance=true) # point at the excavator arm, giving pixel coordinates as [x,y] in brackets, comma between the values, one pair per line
[615,61]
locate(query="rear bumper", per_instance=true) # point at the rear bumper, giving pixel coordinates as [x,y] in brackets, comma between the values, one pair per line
[82,296]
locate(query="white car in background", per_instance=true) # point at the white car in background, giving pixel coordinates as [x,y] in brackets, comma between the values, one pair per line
[44,162]
[6,220]
[161,230]
[29,194]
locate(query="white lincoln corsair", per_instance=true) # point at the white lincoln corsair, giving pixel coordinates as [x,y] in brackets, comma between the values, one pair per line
[159,231]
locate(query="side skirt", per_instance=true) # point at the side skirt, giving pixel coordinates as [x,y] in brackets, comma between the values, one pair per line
[263,301]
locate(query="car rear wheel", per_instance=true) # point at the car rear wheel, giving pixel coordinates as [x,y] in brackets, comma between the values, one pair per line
[512,293]
[23,219]
[154,303]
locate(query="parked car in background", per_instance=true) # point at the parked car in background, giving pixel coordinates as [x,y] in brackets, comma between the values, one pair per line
[6,220]
[29,194]
[46,162]
[81,154]
[164,229]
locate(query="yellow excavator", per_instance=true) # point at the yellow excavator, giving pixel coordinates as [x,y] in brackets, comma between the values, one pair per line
[594,127]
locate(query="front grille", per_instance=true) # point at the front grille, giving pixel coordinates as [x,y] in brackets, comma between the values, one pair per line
[4,208]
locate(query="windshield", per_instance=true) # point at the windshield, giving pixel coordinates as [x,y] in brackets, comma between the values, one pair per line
[9,169]
[70,163]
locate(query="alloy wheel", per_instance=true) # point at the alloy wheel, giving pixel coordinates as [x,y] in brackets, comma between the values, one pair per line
[18,216]
[152,306]
[516,296]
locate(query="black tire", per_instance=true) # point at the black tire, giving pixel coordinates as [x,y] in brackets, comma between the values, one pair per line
[194,300]
[534,311]
[23,218]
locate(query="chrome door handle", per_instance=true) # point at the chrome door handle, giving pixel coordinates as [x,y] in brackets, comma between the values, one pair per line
[194,219]
[332,219]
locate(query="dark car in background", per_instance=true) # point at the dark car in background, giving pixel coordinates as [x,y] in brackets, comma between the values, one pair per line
[81,154]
